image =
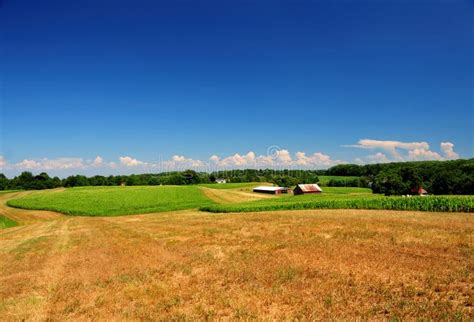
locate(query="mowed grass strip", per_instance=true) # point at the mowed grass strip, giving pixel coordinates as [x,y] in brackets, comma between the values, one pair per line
[236,185]
[8,191]
[7,222]
[115,201]
[351,200]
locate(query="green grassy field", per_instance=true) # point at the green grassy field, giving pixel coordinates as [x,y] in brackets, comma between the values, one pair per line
[6,222]
[113,201]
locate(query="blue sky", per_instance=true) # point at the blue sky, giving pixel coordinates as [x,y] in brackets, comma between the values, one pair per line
[179,82]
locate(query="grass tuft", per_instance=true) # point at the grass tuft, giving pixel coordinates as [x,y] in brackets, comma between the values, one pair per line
[6,222]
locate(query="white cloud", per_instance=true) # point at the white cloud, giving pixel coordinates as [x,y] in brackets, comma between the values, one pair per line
[182,161]
[237,160]
[264,161]
[377,158]
[214,158]
[178,163]
[423,155]
[178,158]
[390,146]
[301,158]
[98,161]
[283,157]
[404,151]
[448,150]
[3,162]
[63,163]
[28,164]
[277,158]
[316,159]
[130,162]
[51,164]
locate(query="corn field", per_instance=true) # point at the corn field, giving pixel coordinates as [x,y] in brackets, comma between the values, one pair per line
[431,203]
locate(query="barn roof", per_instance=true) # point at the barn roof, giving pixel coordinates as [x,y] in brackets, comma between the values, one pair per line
[419,190]
[269,188]
[313,187]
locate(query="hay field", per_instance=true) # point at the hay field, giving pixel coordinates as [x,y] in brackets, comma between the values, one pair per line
[314,264]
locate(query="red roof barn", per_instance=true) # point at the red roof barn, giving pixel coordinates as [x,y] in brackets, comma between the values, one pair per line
[307,188]
[420,191]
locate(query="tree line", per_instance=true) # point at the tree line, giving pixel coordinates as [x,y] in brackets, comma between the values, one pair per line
[398,178]
[403,178]
[28,181]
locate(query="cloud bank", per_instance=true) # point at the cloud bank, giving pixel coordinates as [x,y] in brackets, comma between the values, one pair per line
[276,158]
[126,164]
[403,151]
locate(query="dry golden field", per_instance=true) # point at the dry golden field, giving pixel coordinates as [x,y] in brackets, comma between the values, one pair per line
[315,264]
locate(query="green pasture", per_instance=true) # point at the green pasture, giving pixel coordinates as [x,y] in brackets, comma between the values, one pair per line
[113,201]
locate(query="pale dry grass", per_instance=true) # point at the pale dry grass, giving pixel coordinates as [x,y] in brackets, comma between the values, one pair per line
[224,196]
[318,264]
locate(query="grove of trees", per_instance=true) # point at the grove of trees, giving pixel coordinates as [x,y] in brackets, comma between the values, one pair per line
[400,178]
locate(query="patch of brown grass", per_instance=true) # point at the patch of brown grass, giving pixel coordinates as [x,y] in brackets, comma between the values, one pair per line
[225,196]
[320,264]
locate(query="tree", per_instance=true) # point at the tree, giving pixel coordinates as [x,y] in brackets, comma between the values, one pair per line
[56,182]
[24,180]
[212,178]
[190,177]
[4,182]
[98,181]
[132,180]
[411,178]
[389,182]
[285,181]
[174,179]
[76,181]
[41,181]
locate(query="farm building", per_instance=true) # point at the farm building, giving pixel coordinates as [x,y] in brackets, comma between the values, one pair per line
[220,180]
[420,191]
[271,190]
[307,188]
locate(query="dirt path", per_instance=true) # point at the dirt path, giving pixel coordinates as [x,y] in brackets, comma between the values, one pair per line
[23,216]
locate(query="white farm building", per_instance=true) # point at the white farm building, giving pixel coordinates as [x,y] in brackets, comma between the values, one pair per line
[271,190]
